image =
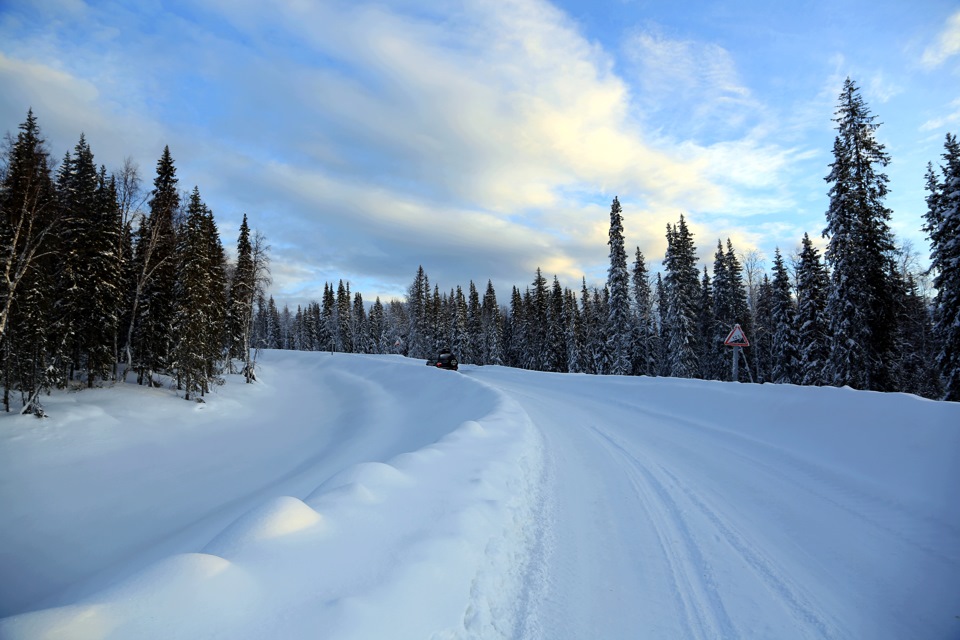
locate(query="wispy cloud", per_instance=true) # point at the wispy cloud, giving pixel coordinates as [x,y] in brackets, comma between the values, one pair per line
[946,45]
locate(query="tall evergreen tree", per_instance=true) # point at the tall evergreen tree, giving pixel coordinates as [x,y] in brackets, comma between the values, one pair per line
[556,359]
[240,313]
[344,331]
[682,284]
[860,307]
[492,327]
[645,331]
[359,326]
[619,320]
[943,230]
[418,294]
[786,354]
[663,328]
[474,351]
[29,214]
[812,284]
[156,266]
[764,328]
[709,357]
[193,306]
[537,324]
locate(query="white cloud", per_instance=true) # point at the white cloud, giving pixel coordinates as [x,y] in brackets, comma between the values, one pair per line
[945,120]
[480,141]
[947,43]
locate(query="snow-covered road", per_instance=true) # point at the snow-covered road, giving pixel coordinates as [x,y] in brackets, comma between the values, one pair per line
[690,509]
[370,496]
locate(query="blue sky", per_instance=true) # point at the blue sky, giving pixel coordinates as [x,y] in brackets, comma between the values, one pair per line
[484,139]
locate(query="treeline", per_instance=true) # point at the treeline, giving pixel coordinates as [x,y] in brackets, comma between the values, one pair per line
[94,289]
[856,316]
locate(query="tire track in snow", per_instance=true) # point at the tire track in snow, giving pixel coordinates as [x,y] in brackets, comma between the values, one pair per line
[799,605]
[827,485]
[694,584]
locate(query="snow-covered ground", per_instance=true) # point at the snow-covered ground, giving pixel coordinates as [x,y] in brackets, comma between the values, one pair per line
[373,497]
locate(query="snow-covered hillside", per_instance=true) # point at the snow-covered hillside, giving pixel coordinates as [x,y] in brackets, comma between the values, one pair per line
[373,497]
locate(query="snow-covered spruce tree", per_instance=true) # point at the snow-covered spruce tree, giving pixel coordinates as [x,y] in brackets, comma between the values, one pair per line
[89,277]
[943,230]
[709,357]
[474,327]
[215,339]
[492,322]
[786,354]
[515,330]
[663,328]
[645,335]
[762,340]
[439,321]
[458,326]
[574,332]
[344,335]
[812,284]
[193,309]
[914,373]
[601,308]
[272,333]
[417,300]
[860,306]
[588,326]
[376,320]
[538,323]
[155,265]
[76,189]
[560,320]
[619,319]
[359,326]
[328,313]
[397,325]
[682,284]
[29,215]
[240,311]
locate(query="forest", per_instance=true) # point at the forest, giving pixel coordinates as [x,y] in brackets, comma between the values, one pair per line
[103,280]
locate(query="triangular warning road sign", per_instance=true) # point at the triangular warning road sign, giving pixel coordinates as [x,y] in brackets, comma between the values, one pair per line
[737,338]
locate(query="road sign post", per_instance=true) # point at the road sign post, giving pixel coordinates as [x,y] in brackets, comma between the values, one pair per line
[736,339]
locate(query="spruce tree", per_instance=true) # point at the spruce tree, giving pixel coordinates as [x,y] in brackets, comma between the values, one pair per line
[786,354]
[493,339]
[537,324]
[619,322]
[709,357]
[359,326]
[29,216]
[812,284]
[192,307]
[588,330]
[344,330]
[156,264]
[645,326]
[860,307]
[556,331]
[764,328]
[682,285]
[240,313]
[943,230]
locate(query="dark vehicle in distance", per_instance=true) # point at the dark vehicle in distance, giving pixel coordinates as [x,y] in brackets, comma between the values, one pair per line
[445,360]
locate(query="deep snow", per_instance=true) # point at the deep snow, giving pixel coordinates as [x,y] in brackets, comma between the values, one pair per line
[369,496]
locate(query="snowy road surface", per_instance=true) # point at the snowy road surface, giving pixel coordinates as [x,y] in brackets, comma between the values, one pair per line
[359,497]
